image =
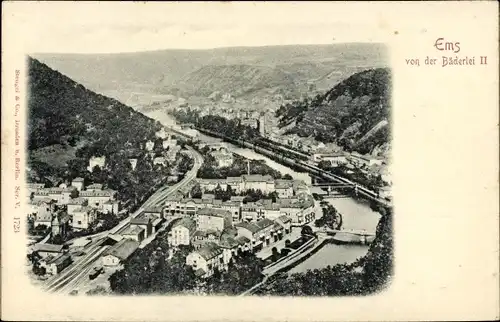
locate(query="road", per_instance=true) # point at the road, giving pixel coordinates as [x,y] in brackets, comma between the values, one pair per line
[76,272]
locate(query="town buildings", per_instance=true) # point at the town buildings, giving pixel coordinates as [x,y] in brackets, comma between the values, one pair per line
[82,204]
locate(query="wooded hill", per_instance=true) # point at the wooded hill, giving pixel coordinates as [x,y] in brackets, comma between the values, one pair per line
[67,121]
[354,114]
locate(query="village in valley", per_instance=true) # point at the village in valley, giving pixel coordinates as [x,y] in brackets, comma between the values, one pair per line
[220,192]
[214,221]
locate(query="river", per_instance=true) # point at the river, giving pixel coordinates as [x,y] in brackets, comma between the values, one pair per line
[355,214]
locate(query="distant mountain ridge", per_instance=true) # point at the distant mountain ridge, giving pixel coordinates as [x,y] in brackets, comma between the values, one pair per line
[234,79]
[355,113]
[158,71]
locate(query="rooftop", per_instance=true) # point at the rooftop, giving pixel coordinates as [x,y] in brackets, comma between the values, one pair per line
[257,178]
[242,240]
[283,184]
[284,219]
[187,223]
[102,193]
[209,250]
[57,260]
[123,249]
[133,230]
[48,248]
[97,186]
[206,233]
[214,212]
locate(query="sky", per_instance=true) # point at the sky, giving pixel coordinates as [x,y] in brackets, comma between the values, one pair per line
[103,27]
[113,27]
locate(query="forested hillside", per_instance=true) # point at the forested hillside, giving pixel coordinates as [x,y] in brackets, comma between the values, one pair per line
[64,112]
[354,114]
[68,123]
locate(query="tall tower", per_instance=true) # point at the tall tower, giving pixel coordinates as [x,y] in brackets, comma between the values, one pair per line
[56,227]
[262,124]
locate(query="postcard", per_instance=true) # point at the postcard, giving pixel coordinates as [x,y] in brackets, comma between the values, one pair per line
[250,161]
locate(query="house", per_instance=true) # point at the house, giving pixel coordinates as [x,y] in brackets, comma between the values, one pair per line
[206,260]
[149,145]
[119,252]
[46,208]
[45,250]
[213,219]
[76,203]
[284,188]
[234,208]
[271,210]
[134,233]
[96,161]
[83,217]
[78,183]
[230,246]
[286,222]
[223,158]
[61,195]
[111,206]
[260,232]
[252,211]
[360,160]
[257,182]
[157,215]
[133,163]
[201,237]
[149,221]
[54,264]
[182,232]
[97,198]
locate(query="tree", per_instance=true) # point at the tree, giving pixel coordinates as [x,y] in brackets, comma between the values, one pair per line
[74,194]
[287,177]
[196,191]
[34,257]
[325,165]
[276,254]
[306,231]
[218,192]
[39,270]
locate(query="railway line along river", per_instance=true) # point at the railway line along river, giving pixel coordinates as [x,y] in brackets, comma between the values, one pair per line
[356,214]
